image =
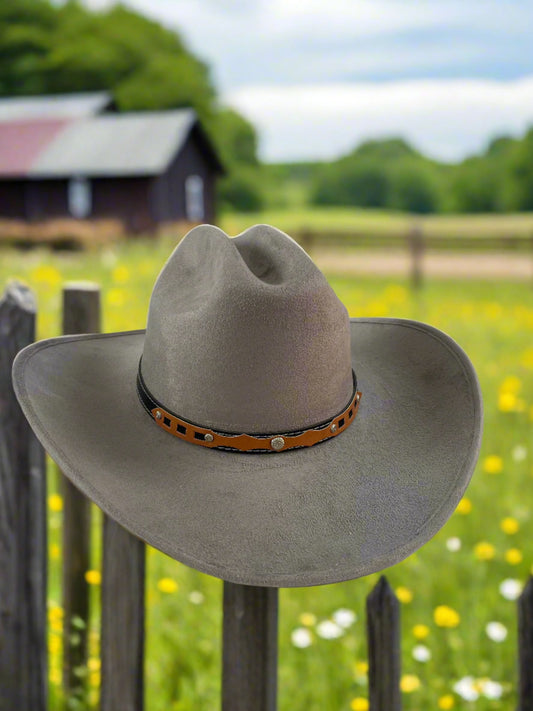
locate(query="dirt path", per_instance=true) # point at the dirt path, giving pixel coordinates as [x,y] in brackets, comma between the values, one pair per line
[443,264]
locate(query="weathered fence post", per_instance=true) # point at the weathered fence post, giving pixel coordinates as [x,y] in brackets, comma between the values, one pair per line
[122,640]
[81,314]
[525,648]
[250,645]
[306,239]
[384,660]
[23,552]
[416,250]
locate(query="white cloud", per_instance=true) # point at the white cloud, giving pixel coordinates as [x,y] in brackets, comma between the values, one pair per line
[284,41]
[444,118]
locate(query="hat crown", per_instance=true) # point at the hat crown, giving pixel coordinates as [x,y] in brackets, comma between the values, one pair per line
[246,334]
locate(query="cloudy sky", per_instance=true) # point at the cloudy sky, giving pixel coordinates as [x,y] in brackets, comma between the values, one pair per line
[318,76]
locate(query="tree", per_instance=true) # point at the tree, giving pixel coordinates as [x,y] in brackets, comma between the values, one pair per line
[414,188]
[47,49]
[521,174]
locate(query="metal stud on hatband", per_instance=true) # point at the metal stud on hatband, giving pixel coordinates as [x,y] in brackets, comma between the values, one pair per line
[333,428]
[208,437]
[357,397]
[277,443]
[158,415]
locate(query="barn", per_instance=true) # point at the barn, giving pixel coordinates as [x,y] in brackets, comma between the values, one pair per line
[78,158]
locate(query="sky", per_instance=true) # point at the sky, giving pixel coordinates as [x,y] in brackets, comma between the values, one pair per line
[317,77]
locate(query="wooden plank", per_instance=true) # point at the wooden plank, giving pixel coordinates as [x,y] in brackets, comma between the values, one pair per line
[23,551]
[250,645]
[525,648]
[122,620]
[384,660]
[81,314]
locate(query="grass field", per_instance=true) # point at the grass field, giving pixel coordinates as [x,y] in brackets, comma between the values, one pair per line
[383,223]
[451,590]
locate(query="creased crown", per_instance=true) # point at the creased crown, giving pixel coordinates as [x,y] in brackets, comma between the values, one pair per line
[246,335]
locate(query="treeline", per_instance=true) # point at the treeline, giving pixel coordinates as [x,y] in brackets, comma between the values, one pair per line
[48,48]
[391,174]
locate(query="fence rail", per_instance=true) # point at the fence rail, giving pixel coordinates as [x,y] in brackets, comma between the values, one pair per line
[249,666]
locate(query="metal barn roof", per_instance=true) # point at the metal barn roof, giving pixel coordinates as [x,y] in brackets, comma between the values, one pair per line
[109,145]
[115,144]
[58,106]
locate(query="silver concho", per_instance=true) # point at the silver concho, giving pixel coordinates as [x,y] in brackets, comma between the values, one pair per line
[277,443]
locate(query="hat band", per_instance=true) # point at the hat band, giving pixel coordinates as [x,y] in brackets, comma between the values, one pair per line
[206,437]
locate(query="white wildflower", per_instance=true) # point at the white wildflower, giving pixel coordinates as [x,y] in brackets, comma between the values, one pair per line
[496,631]
[453,544]
[421,653]
[510,589]
[196,597]
[301,638]
[491,689]
[344,618]
[519,453]
[329,630]
[466,688]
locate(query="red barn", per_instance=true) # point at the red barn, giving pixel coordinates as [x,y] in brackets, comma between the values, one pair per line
[68,157]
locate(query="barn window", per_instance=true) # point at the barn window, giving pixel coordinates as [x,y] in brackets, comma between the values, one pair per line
[79,197]
[194,198]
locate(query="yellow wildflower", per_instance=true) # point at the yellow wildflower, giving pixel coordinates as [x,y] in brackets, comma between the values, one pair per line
[513,556]
[409,683]
[493,311]
[527,359]
[404,595]
[359,704]
[445,616]
[55,676]
[507,402]
[115,297]
[484,550]
[307,619]
[446,702]
[55,503]
[55,551]
[55,618]
[509,525]
[493,464]
[464,506]
[93,577]
[54,644]
[377,309]
[361,668]
[420,631]
[167,585]
[46,274]
[511,384]
[396,293]
[94,664]
[121,274]
[94,678]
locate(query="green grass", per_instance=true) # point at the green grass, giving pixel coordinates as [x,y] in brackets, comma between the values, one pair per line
[493,322]
[383,223]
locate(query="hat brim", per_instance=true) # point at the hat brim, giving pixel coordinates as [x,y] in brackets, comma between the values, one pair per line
[350,506]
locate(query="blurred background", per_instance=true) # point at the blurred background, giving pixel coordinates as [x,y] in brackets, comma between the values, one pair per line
[394,141]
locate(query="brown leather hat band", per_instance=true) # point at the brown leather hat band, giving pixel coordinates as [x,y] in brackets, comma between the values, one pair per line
[196,434]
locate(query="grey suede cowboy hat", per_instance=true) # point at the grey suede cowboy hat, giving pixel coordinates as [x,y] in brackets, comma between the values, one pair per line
[254,431]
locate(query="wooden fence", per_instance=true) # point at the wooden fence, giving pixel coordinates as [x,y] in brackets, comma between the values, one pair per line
[249,659]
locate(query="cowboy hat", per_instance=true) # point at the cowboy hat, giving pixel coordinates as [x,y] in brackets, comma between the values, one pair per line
[254,431]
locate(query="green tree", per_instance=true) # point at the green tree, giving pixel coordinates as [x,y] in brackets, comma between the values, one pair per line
[414,188]
[47,48]
[520,188]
